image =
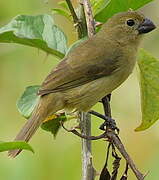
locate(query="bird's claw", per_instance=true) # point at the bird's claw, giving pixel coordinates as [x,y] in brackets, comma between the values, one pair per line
[109,124]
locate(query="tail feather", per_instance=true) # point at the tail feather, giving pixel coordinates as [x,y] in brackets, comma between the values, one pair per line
[46,106]
[26,133]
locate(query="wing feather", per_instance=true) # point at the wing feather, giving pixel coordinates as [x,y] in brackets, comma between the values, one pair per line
[72,72]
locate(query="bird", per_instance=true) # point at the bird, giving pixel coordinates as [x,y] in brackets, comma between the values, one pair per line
[90,71]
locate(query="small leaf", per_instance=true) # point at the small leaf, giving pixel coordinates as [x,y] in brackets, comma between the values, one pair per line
[64,5]
[36,31]
[149,87]
[63,13]
[28,100]
[112,7]
[6,146]
[52,123]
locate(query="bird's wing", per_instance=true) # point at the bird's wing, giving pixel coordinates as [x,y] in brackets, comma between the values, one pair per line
[71,72]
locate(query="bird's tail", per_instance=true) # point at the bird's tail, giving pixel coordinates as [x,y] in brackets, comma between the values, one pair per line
[41,112]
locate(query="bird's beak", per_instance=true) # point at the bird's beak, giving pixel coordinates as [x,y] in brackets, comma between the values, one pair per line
[146,26]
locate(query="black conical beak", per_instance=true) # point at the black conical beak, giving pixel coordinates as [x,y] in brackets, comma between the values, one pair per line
[146,26]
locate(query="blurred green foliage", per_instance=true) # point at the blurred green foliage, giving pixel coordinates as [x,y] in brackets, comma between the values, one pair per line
[24,66]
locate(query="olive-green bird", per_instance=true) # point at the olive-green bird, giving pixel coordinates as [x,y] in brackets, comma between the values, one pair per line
[90,71]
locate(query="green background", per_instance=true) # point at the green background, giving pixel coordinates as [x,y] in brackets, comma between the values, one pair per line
[60,159]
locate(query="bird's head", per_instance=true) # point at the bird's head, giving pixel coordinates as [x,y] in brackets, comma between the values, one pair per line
[128,26]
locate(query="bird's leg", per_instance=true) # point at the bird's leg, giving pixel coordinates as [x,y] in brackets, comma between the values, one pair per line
[84,136]
[109,122]
[97,114]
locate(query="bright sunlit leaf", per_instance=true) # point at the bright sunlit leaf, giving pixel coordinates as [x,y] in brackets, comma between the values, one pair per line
[111,7]
[36,31]
[6,146]
[149,86]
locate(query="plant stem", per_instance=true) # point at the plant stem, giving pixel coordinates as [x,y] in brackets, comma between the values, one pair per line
[114,138]
[77,23]
[88,172]
[89,18]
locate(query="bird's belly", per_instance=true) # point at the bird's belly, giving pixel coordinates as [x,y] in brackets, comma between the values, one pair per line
[82,98]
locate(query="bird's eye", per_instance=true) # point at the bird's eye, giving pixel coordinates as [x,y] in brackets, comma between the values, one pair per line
[130,22]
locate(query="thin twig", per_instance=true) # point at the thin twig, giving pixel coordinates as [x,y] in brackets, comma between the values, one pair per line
[76,20]
[101,116]
[86,137]
[89,18]
[119,145]
[114,138]
[88,170]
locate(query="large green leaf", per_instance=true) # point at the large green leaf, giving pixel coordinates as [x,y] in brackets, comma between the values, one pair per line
[28,100]
[36,31]
[114,6]
[6,146]
[149,86]
[26,104]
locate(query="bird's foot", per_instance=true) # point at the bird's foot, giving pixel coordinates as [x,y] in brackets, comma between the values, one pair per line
[109,124]
[74,131]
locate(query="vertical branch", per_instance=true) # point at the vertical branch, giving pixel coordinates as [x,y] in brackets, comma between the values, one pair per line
[89,18]
[88,172]
[77,22]
[82,23]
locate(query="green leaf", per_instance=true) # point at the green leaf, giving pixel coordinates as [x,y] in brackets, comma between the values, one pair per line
[63,13]
[52,123]
[64,10]
[6,146]
[112,7]
[36,31]
[149,87]
[28,100]
[64,5]
[97,5]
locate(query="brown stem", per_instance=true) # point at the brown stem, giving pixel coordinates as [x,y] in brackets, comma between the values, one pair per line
[114,138]
[88,172]
[76,20]
[89,18]
[119,145]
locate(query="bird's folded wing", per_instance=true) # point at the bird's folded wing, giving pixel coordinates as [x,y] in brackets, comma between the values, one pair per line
[89,61]
[65,76]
